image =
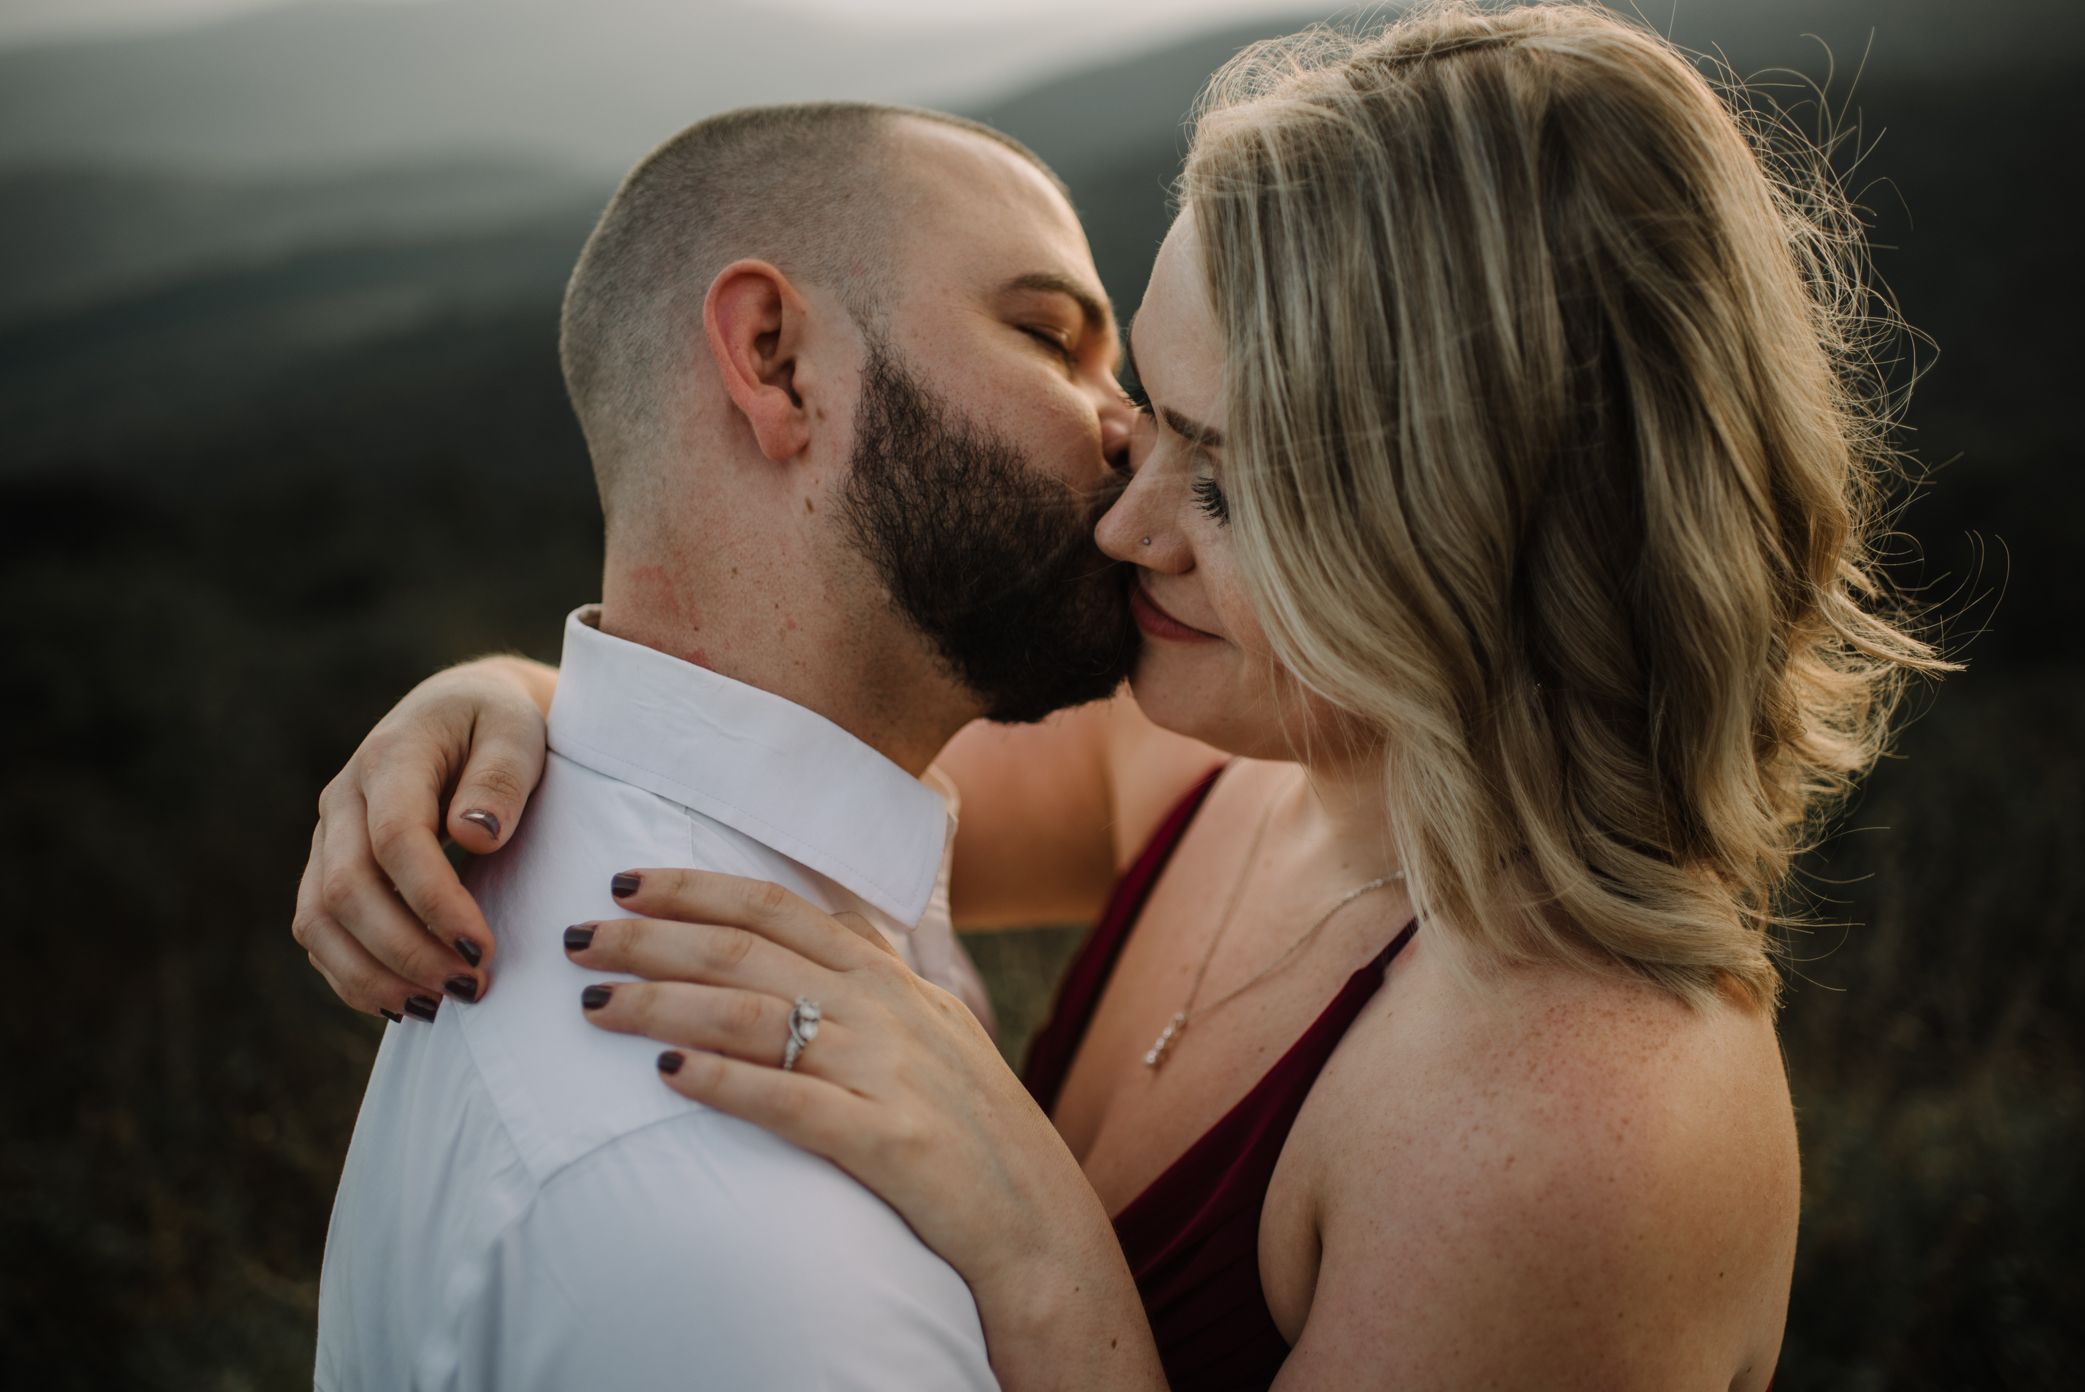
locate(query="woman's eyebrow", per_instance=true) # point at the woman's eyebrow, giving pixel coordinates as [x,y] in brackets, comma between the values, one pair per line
[1207,436]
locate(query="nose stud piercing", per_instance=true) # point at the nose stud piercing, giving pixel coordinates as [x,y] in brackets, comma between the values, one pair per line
[1147,541]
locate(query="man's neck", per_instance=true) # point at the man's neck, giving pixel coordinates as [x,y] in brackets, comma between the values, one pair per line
[778,618]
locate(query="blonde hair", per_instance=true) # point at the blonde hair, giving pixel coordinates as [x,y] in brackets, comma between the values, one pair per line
[1554,448]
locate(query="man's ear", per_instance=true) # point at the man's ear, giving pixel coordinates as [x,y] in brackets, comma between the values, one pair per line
[755,321]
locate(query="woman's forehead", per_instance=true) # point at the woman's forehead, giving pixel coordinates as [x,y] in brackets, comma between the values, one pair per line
[1173,341]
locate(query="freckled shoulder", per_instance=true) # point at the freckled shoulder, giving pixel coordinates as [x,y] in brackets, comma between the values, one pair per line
[1562,1179]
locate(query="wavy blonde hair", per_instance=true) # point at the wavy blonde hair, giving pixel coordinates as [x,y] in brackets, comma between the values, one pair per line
[1554,447]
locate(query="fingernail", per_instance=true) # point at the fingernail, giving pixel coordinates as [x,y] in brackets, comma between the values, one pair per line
[478,817]
[393,1016]
[464,988]
[579,937]
[469,951]
[670,1062]
[625,884]
[422,1007]
[595,996]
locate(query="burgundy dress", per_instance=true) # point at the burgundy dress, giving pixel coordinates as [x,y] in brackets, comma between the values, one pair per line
[1192,1237]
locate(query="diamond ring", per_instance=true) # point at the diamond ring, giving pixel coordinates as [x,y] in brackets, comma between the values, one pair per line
[803,1028]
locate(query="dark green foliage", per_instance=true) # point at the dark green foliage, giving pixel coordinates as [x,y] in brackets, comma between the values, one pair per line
[240,515]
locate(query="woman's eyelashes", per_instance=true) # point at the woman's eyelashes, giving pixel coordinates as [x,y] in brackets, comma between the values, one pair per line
[1208,492]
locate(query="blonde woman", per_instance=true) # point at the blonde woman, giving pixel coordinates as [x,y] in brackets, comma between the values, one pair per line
[1499,504]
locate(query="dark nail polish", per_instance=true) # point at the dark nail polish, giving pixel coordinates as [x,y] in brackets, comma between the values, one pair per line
[670,1062]
[422,1007]
[469,951]
[579,937]
[464,988]
[595,996]
[393,1016]
[625,884]
[484,819]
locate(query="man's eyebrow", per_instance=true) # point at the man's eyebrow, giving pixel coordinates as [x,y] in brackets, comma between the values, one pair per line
[1098,315]
[1207,436]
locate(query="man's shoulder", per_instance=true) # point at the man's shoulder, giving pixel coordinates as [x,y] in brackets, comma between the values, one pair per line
[697,1241]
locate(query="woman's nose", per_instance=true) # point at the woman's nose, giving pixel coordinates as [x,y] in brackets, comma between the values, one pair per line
[1135,529]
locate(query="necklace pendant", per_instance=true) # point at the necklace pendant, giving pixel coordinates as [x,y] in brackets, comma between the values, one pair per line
[1157,1054]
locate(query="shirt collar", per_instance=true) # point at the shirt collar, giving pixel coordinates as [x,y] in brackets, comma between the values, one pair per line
[785,776]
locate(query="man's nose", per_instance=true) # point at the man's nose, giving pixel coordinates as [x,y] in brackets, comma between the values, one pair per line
[1117,419]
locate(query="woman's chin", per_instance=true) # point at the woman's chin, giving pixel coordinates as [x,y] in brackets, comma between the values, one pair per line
[1198,691]
[1187,696]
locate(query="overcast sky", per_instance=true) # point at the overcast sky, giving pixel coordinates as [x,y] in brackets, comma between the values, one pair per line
[27,21]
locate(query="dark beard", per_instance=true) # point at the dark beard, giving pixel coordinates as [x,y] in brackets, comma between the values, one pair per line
[990,559]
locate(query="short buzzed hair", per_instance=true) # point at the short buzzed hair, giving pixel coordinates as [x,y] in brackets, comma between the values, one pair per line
[803,186]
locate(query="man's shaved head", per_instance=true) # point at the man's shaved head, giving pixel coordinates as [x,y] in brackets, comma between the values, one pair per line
[808,188]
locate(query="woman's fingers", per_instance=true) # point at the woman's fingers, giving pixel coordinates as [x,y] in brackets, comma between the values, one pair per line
[749,1025]
[760,907]
[355,976]
[865,930]
[506,763]
[382,910]
[399,841]
[353,893]
[806,1111]
[705,953]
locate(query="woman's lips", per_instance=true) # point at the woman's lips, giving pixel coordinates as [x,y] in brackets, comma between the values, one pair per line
[1157,623]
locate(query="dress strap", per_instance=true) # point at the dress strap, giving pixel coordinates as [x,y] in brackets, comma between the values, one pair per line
[1192,1237]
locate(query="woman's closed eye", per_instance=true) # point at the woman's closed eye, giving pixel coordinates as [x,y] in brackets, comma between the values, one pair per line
[1133,391]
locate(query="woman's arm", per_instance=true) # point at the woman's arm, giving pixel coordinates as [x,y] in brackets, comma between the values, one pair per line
[461,752]
[1053,811]
[1050,813]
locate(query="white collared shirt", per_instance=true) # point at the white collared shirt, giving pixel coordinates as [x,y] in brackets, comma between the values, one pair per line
[526,1206]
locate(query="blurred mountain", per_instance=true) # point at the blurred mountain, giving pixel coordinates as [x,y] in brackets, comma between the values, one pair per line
[69,236]
[592,84]
[327,85]
[146,302]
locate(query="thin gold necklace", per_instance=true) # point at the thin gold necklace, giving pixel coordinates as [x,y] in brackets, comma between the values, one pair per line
[1187,1013]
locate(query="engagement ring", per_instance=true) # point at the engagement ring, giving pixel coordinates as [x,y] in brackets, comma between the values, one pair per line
[803,1028]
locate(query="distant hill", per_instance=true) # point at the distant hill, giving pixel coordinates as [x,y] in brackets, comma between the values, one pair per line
[593,83]
[74,236]
[125,288]
[588,83]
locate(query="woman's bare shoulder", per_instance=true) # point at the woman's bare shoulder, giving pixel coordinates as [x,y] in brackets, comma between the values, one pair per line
[1053,810]
[1617,1167]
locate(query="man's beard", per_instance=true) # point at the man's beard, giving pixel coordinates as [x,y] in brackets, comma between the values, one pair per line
[991,560]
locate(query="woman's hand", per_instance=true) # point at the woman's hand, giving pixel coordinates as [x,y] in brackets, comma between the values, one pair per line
[380,909]
[900,1087]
